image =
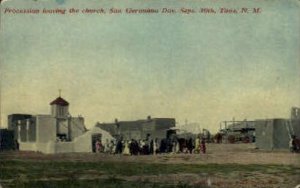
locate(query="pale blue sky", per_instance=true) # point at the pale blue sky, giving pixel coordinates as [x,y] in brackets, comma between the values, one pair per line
[203,68]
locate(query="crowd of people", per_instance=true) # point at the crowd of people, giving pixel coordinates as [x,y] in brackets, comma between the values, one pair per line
[151,146]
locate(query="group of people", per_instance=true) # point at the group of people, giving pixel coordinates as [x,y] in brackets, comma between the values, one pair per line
[151,146]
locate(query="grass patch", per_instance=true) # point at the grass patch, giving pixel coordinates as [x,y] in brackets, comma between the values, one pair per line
[17,173]
[107,183]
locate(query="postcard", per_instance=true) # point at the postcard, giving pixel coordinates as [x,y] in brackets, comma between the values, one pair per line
[150,93]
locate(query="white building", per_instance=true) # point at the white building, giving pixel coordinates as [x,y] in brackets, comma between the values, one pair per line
[57,132]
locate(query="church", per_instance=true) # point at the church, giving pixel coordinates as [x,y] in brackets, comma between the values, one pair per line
[57,132]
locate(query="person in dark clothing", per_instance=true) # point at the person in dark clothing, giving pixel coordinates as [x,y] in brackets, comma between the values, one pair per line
[203,145]
[134,147]
[163,146]
[294,144]
[131,147]
[146,148]
[151,147]
[190,145]
[16,145]
[119,147]
[169,145]
[218,137]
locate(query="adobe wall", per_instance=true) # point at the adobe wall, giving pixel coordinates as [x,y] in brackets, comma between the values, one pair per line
[46,128]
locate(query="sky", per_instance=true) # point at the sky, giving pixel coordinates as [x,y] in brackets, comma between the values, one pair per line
[199,68]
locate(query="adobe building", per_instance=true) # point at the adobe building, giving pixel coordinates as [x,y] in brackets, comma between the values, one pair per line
[276,133]
[268,134]
[57,132]
[139,129]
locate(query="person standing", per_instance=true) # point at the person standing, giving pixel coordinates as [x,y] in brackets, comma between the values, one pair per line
[106,147]
[292,144]
[154,146]
[190,145]
[197,145]
[203,146]
[126,149]
[177,146]
[97,146]
[101,147]
[113,147]
[174,146]
[142,146]
[119,147]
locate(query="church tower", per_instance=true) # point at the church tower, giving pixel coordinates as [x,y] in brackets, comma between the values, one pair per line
[59,108]
[60,111]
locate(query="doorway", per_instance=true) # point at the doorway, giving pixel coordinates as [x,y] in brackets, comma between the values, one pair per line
[95,137]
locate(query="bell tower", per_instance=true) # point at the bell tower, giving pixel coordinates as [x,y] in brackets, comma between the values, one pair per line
[59,107]
[60,111]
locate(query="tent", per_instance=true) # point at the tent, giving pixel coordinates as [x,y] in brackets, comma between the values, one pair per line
[84,143]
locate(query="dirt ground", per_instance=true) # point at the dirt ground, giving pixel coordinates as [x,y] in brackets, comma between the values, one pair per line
[239,154]
[216,153]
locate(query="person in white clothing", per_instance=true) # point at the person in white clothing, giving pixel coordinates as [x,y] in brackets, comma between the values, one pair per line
[126,150]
